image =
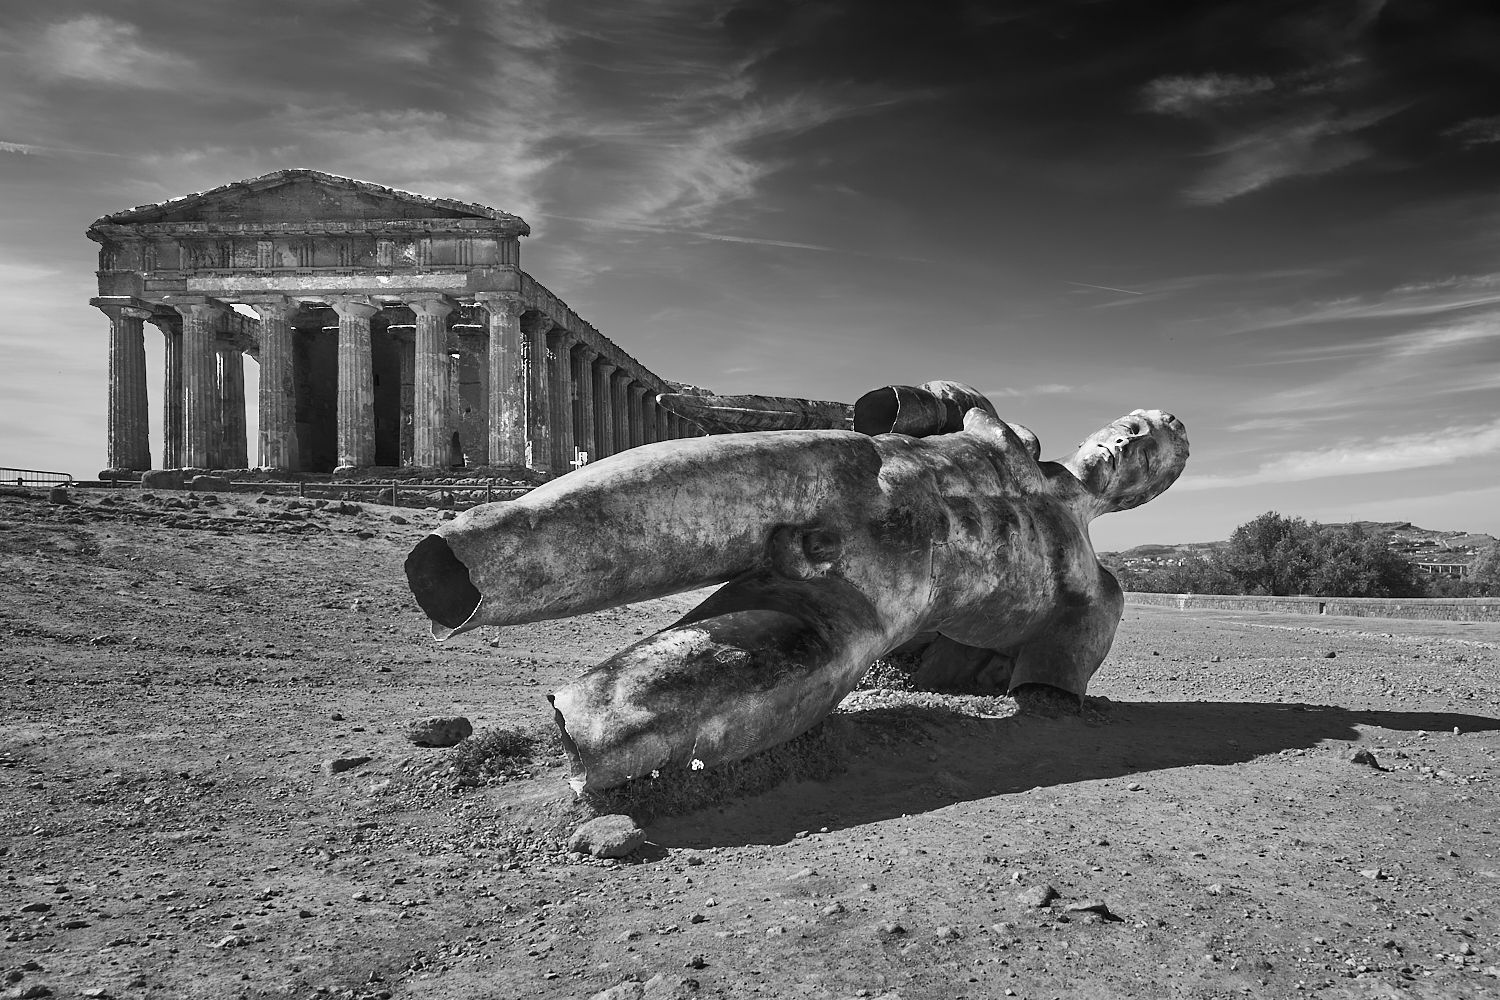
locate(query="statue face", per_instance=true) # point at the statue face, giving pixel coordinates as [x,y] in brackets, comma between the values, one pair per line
[1133,459]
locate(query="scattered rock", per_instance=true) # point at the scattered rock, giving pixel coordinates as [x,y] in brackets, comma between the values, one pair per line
[398,519]
[1374,873]
[1365,757]
[338,765]
[59,495]
[696,962]
[32,992]
[1134,786]
[802,874]
[230,941]
[1097,906]
[892,928]
[775,930]
[439,731]
[1330,654]
[607,837]
[209,483]
[36,907]
[628,990]
[946,933]
[1037,896]
[833,908]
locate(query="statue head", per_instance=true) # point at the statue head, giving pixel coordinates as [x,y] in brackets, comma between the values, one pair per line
[1131,460]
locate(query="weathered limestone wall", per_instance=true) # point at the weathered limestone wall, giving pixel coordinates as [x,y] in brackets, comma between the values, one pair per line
[1476,609]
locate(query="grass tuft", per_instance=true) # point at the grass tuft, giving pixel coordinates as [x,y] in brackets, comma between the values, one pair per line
[503,752]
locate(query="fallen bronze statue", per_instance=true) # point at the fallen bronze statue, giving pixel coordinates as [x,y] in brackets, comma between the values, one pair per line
[932,524]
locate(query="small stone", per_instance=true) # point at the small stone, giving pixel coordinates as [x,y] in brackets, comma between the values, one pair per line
[607,837]
[304,914]
[696,962]
[364,535]
[1134,786]
[1493,971]
[1374,873]
[439,731]
[398,519]
[1466,948]
[833,908]
[1095,906]
[1216,658]
[628,990]
[336,717]
[1366,758]
[694,859]
[892,928]
[73,925]
[804,873]
[1215,890]
[338,765]
[36,907]
[229,941]
[946,933]
[1330,654]
[1036,896]
[33,992]
[697,918]
[361,897]
[97,993]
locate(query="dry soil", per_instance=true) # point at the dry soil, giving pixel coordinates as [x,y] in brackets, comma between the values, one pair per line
[177,669]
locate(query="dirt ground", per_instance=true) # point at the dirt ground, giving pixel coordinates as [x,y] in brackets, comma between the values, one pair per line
[176,670]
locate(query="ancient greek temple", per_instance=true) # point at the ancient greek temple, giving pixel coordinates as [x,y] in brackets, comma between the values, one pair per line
[390,330]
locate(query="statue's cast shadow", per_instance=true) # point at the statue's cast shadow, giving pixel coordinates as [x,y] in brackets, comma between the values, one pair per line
[904,762]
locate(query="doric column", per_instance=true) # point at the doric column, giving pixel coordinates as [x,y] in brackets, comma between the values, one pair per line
[507,380]
[129,443]
[278,387]
[621,390]
[648,415]
[637,391]
[560,348]
[535,328]
[200,382]
[604,408]
[171,395]
[406,361]
[232,442]
[673,431]
[431,440]
[356,394]
[662,434]
[583,384]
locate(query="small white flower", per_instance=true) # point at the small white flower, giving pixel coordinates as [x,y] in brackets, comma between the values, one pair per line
[697,764]
[655,775]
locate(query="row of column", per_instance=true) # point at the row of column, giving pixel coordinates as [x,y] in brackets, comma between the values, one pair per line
[554,403]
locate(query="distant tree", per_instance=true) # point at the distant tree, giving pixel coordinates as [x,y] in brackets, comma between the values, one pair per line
[1351,562]
[1271,555]
[1484,574]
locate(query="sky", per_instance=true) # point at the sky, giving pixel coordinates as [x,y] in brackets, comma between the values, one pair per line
[1279,221]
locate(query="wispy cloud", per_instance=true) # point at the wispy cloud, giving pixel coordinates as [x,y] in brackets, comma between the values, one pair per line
[1384,454]
[102,49]
[1193,95]
[1045,389]
[1476,131]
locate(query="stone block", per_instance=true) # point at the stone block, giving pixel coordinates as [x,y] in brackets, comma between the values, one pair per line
[607,837]
[439,731]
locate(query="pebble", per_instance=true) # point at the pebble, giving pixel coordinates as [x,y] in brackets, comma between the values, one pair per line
[1134,786]
[338,765]
[775,930]
[804,873]
[1365,757]
[439,731]
[1036,896]
[607,837]
[946,933]
[833,908]
[891,927]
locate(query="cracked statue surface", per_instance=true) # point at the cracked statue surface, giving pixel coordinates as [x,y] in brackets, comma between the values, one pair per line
[932,526]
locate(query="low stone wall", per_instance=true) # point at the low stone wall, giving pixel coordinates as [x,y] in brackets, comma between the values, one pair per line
[1453,609]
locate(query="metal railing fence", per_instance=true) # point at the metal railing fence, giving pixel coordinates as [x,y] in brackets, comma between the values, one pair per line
[33,477]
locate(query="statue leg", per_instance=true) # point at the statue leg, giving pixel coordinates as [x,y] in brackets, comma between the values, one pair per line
[761,661]
[1074,643]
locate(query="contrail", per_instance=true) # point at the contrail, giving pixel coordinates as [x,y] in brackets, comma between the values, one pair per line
[647,227]
[1107,288]
[26,149]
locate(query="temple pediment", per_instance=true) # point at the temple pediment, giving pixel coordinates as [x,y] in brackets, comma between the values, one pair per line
[302,196]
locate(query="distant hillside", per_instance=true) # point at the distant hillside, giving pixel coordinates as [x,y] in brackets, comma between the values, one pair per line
[1421,545]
